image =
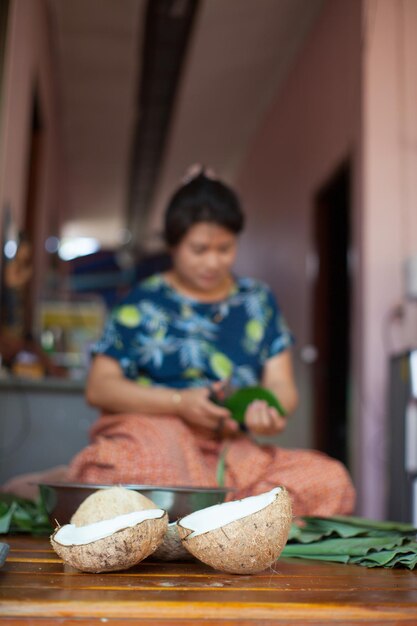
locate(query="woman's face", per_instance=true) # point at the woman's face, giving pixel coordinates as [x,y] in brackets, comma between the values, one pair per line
[204,257]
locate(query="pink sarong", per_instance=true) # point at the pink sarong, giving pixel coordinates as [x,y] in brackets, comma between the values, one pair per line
[164,451]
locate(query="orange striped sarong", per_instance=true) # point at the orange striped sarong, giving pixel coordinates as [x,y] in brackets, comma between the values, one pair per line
[164,451]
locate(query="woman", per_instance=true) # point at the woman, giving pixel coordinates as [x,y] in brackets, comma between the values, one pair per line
[178,337]
[173,341]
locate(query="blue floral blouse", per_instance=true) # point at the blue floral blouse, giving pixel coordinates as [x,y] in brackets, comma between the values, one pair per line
[161,337]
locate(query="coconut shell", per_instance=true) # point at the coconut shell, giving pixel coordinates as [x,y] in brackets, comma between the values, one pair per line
[121,550]
[108,503]
[247,545]
[171,548]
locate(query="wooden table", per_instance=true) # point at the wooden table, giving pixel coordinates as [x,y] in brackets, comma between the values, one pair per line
[37,588]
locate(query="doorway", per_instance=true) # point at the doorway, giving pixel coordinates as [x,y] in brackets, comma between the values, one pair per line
[331,314]
[31,217]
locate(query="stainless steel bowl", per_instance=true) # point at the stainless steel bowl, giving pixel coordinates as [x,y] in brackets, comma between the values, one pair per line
[62,499]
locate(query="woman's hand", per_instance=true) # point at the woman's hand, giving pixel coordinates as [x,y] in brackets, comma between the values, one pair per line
[109,390]
[196,409]
[262,419]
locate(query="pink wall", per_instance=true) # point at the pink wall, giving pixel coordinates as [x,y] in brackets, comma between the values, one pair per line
[352,92]
[29,62]
[312,127]
[389,216]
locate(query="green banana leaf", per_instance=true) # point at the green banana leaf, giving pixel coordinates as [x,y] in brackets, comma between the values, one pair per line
[364,523]
[353,540]
[238,402]
[359,546]
[19,515]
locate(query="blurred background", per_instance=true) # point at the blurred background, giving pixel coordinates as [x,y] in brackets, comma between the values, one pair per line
[308,108]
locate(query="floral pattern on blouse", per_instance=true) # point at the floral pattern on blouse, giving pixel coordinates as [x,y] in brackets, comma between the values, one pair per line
[161,337]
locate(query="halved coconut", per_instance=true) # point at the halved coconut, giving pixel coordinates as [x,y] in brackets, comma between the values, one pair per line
[171,548]
[108,503]
[241,537]
[113,544]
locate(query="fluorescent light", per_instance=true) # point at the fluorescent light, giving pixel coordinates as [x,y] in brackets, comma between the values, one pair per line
[77,246]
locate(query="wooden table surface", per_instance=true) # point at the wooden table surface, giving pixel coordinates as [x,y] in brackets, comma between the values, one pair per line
[37,588]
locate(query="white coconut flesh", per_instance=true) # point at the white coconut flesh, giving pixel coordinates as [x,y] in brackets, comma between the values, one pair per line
[219,515]
[71,535]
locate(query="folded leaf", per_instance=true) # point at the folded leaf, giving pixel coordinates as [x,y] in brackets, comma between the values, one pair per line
[351,547]
[356,540]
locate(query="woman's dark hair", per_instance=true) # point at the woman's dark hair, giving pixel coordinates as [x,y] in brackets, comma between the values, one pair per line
[202,199]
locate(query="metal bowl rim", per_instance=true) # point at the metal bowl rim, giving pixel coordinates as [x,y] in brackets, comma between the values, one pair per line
[177,489]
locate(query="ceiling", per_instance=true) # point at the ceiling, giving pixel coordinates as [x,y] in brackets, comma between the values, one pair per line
[238,57]
[97,65]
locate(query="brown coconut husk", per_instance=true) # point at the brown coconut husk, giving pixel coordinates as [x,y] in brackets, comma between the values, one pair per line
[121,550]
[245,546]
[171,548]
[105,504]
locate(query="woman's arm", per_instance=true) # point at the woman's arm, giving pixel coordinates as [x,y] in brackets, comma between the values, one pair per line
[109,390]
[278,376]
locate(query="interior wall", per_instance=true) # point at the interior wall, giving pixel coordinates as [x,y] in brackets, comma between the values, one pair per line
[353,93]
[389,222]
[313,125]
[29,63]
